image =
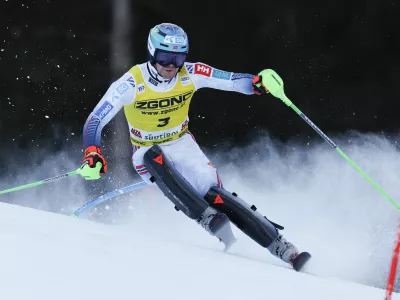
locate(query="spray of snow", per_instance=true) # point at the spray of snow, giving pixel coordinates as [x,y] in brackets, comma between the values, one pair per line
[326,206]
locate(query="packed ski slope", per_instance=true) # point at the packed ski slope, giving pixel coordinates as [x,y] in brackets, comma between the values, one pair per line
[48,256]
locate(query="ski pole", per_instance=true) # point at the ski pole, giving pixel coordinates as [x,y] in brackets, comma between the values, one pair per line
[275,87]
[22,187]
[110,195]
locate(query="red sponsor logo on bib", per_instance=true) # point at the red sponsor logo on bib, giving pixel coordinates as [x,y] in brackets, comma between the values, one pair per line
[136,132]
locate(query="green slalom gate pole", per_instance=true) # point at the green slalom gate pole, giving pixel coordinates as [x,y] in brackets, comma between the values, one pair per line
[274,83]
[22,187]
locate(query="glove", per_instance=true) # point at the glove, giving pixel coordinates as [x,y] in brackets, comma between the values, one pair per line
[258,86]
[93,163]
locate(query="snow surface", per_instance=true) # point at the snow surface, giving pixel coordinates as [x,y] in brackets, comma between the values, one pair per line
[47,256]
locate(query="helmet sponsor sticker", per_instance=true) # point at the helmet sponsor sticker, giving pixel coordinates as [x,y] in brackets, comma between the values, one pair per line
[170,39]
[150,47]
[202,70]
[221,74]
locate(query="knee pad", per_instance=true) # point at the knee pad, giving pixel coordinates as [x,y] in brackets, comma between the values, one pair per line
[244,216]
[173,185]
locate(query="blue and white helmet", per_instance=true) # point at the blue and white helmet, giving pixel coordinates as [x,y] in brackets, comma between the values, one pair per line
[168,43]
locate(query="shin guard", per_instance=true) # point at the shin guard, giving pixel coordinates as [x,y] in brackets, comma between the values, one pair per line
[174,186]
[244,216]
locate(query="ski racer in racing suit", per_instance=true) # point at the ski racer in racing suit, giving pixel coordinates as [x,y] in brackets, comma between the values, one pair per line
[156,96]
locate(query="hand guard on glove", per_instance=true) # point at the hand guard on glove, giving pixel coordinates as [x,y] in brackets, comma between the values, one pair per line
[258,86]
[93,163]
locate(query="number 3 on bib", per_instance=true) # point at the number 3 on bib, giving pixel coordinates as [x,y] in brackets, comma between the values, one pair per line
[163,122]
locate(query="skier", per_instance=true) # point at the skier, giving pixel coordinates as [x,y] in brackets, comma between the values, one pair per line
[156,96]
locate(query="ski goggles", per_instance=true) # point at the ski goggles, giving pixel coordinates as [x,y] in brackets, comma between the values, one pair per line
[166,58]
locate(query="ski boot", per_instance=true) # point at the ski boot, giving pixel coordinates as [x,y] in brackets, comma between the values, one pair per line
[218,224]
[289,253]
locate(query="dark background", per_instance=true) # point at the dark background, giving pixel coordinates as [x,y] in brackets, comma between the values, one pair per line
[339,60]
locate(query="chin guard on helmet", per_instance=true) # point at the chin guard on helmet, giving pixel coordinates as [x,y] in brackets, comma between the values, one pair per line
[244,216]
[173,185]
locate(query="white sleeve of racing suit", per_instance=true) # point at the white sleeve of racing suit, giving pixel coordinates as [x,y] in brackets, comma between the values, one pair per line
[121,92]
[205,76]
